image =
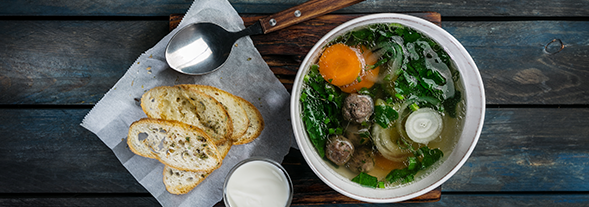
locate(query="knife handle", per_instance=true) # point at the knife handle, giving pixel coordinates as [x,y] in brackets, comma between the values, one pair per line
[302,12]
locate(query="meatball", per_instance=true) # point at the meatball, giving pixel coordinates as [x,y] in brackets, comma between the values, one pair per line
[339,149]
[362,160]
[358,134]
[357,108]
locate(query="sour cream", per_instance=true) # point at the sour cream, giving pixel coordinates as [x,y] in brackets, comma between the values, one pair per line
[258,183]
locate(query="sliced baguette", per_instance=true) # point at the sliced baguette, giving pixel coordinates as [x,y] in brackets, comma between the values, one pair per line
[224,148]
[226,118]
[181,181]
[188,106]
[256,123]
[238,115]
[175,144]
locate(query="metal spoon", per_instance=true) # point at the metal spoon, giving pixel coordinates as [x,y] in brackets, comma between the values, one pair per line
[201,48]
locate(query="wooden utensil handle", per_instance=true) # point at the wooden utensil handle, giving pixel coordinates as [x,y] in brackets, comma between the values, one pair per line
[302,12]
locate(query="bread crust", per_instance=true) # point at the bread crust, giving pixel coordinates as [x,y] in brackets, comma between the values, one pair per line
[256,124]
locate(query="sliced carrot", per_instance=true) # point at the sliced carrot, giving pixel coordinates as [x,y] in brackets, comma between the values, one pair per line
[367,80]
[367,77]
[340,65]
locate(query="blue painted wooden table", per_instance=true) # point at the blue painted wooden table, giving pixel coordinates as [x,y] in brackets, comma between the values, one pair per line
[59,57]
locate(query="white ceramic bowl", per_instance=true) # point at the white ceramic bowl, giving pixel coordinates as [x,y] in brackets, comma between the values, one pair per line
[473,120]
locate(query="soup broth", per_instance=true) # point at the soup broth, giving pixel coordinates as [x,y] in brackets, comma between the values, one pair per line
[383,105]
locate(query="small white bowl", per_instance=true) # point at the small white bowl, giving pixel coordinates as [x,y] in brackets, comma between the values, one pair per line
[473,120]
[273,170]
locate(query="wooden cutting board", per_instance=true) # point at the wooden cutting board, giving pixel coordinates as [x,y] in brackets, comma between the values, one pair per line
[284,51]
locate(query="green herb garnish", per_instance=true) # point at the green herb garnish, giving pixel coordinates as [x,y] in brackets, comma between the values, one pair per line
[384,113]
[321,105]
[424,158]
[367,180]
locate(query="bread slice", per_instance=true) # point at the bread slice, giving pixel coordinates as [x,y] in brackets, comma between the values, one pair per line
[174,112]
[175,144]
[256,123]
[224,148]
[188,106]
[238,115]
[181,181]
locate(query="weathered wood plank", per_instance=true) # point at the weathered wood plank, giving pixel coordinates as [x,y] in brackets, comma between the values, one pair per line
[48,151]
[327,19]
[520,149]
[79,200]
[528,149]
[54,62]
[76,62]
[454,200]
[539,62]
[534,8]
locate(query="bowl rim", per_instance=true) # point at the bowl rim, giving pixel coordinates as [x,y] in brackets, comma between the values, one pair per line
[475,107]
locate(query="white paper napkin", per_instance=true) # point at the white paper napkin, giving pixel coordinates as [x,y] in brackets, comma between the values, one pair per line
[245,74]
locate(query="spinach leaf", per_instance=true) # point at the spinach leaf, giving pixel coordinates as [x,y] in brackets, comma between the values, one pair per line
[312,118]
[430,156]
[419,75]
[384,113]
[363,35]
[321,105]
[424,158]
[367,180]
[404,175]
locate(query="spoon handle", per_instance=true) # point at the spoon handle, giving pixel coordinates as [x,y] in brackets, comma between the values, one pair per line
[302,12]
